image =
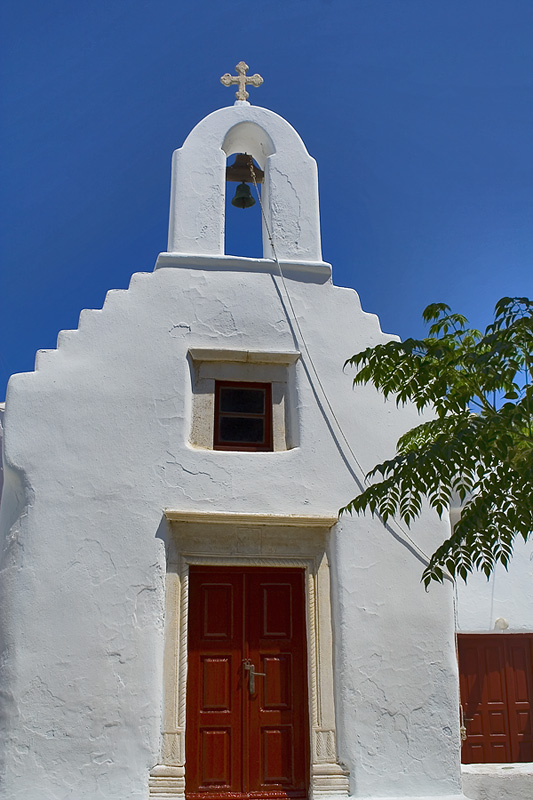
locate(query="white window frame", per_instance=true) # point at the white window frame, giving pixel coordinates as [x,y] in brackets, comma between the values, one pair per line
[253,366]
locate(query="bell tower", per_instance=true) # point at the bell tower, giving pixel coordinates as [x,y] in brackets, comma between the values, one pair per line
[290,186]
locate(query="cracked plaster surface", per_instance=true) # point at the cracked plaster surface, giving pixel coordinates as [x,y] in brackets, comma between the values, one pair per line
[286,222]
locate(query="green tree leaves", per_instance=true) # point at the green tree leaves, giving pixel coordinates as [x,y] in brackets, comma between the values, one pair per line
[478,446]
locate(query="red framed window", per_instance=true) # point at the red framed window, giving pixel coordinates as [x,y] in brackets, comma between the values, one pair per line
[243,416]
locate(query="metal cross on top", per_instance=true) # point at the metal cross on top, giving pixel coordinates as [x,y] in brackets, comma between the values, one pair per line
[242,79]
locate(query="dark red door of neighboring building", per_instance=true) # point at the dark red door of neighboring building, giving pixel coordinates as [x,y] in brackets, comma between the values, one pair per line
[496,682]
[247,732]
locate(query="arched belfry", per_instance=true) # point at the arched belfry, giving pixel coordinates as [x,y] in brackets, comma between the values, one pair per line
[290,188]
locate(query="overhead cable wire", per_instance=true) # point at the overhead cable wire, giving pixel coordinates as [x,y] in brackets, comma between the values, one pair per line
[312,363]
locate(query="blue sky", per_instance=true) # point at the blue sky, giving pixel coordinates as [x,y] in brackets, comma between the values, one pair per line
[418,112]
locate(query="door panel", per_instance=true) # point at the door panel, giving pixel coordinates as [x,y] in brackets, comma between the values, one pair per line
[278,682]
[277,751]
[215,619]
[247,736]
[216,683]
[496,682]
[278,645]
[215,767]
[520,678]
[217,611]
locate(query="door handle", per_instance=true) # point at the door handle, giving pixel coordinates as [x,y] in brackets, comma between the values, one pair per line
[250,667]
[462,728]
[464,719]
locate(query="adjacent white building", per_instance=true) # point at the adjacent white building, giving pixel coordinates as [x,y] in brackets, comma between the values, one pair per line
[495,648]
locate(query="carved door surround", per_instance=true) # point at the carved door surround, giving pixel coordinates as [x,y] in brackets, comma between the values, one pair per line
[248,540]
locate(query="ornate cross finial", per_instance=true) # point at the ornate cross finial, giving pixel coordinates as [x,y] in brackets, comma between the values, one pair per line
[242,79]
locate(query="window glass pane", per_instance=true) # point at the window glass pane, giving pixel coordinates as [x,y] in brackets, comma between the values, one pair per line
[241,429]
[244,401]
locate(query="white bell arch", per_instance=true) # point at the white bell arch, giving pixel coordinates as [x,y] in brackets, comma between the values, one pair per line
[290,189]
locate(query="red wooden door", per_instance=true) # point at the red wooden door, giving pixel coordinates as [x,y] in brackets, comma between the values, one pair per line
[496,682]
[247,735]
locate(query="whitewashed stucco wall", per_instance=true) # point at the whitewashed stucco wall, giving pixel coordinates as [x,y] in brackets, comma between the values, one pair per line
[97,445]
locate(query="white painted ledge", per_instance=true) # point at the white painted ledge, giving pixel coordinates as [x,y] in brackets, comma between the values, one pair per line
[232,518]
[317,270]
[413,797]
[498,781]
[244,356]
[519,768]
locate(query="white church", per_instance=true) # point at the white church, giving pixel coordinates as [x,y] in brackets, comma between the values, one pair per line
[183,613]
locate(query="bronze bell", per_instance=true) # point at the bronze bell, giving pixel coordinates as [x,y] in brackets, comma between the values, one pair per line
[243,196]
